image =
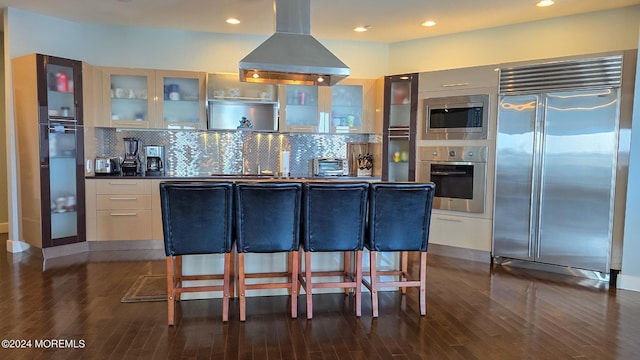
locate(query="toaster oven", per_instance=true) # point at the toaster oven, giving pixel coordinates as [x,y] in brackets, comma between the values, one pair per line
[107,165]
[330,167]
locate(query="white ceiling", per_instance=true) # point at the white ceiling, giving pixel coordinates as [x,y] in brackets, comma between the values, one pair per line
[390,20]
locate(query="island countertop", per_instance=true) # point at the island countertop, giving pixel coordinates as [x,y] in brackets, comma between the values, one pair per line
[233,177]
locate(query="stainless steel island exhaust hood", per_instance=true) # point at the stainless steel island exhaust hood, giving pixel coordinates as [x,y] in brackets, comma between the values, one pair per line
[292,55]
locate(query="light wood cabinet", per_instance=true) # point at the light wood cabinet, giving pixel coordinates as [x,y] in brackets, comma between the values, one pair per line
[459,79]
[180,100]
[156,211]
[123,209]
[461,231]
[128,97]
[123,202]
[92,97]
[90,209]
[147,98]
[348,107]
[116,186]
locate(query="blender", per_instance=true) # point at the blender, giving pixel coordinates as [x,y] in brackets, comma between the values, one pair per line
[131,162]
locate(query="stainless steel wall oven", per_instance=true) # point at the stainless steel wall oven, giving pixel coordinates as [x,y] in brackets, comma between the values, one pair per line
[459,173]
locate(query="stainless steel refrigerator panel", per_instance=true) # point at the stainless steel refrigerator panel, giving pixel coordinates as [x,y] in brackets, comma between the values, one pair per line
[577,180]
[515,145]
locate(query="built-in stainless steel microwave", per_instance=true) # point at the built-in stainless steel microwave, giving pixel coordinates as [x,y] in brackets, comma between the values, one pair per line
[456,117]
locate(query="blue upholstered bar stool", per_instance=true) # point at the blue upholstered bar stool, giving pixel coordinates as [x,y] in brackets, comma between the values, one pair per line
[268,221]
[333,220]
[399,218]
[197,219]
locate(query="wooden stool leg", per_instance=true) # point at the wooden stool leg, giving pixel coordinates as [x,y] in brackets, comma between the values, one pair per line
[374,283]
[225,286]
[347,269]
[308,282]
[232,273]
[404,260]
[170,291]
[358,289]
[241,290]
[423,283]
[289,267]
[178,272]
[300,271]
[295,267]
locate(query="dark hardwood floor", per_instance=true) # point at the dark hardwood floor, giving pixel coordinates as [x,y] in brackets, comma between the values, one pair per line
[473,312]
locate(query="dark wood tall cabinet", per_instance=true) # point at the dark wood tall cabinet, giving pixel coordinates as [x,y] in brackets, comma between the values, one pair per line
[399,127]
[48,115]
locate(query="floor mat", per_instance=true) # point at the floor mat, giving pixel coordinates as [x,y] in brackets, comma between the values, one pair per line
[147,288]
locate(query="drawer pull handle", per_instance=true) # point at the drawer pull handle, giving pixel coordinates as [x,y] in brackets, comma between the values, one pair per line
[123,199]
[119,183]
[450,220]
[456,84]
[124,214]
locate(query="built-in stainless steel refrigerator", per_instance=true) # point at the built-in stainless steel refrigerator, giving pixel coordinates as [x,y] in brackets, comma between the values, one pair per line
[557,153]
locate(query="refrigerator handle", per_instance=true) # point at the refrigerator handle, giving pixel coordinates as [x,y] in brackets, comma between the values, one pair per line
[536,178]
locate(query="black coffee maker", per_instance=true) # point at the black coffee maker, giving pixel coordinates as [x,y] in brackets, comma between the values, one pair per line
[131,163]
[153,160]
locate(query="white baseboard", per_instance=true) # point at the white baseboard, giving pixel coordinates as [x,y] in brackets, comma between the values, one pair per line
[14,246]
[4,228]
[460,253]
[628,282]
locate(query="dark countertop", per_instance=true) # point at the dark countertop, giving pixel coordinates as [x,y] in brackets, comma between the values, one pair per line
[235,177]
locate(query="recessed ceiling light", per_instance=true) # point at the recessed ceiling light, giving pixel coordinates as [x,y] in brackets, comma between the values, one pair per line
[429,23]
[361,28]
[543,3]
[233,21]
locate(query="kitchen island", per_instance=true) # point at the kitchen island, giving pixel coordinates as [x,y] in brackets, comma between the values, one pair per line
[123,212]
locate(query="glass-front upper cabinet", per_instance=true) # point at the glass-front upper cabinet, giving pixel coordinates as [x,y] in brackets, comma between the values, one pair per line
[241,105]
[399,127]
[400,103]
[128,96]
[180,100]
[301,109]
[348,107]
[227,87]
[61,101]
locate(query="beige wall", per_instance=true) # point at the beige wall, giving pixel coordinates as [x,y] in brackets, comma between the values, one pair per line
[132,47]
[630,276]
[597,32]
[4,206]
[162,49]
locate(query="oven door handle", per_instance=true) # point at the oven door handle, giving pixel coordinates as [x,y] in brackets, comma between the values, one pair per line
[444,162]
[445,173]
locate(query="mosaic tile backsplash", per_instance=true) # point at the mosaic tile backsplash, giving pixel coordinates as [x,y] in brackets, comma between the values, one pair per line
[201,153]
